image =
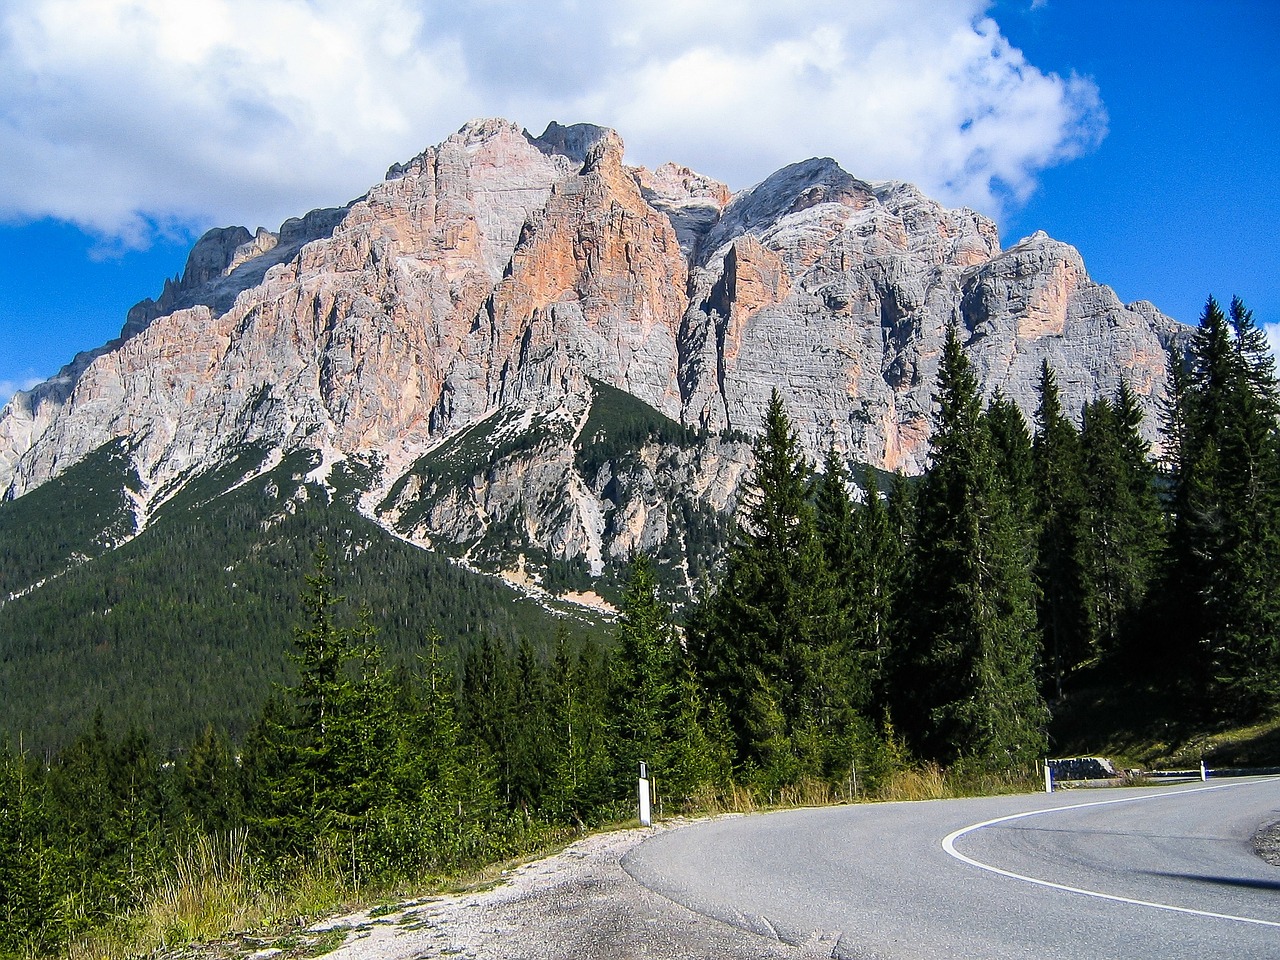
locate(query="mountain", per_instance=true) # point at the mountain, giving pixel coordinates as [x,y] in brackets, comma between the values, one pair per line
[487,284]
[528,356]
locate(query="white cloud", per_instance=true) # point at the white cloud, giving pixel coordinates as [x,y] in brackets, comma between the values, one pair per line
[127,116]
[9,387]
[1273,338]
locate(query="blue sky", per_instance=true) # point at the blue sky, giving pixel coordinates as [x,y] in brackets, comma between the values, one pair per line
[1145,133]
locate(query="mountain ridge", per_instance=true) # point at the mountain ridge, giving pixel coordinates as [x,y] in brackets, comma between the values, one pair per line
[501,271]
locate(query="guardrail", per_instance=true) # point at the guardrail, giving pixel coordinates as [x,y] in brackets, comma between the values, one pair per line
[1099,772]
[1214,772]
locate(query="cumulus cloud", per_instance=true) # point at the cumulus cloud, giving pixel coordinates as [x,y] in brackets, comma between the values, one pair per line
[132,116]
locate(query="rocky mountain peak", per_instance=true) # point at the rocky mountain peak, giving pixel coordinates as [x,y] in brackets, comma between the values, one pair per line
[574,141]
[513,287]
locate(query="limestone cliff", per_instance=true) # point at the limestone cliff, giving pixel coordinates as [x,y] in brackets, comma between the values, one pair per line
[498,285]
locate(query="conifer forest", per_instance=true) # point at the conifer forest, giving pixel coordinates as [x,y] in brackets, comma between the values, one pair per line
[858,626]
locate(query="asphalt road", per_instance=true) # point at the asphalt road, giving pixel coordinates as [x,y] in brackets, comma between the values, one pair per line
[1132,873]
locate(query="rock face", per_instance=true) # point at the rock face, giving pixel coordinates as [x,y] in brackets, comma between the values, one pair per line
[501,278]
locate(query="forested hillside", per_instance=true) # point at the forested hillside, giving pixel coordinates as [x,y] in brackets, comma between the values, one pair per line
[189,623]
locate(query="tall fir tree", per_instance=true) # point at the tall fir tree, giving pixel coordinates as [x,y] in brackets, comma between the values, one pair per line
[1225,541]
[1058,508]
[583,771]
[756,638]
[967,688]
[878,571]
[645,672]
[1015,456]
[1124,520]
[35,887]
[322,757]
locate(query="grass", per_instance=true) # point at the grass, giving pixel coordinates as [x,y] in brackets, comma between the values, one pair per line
[1149,726]
[216,894]
[214,890]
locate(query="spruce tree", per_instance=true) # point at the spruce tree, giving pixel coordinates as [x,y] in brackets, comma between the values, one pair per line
[34,884]
[968,686]
[878,571]
[756,638]
[1060,569]
[1015,458]
[532,743]
[1225,541]
[583,771]
[643,686]
[209,782]
[321,759]
[1124,521]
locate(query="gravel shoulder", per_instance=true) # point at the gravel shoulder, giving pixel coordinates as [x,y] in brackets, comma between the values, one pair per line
[578,904]
[1267,844]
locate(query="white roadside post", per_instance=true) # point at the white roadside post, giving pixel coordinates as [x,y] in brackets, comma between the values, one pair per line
[646,815]
[1204,773]
[1048,777]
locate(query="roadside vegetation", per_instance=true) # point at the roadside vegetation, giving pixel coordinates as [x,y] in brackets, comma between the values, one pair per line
[913,643]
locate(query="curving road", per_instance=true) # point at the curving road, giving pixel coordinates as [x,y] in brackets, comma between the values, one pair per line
[1132,873]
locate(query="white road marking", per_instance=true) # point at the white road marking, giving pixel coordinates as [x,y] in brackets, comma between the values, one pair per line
[948,844]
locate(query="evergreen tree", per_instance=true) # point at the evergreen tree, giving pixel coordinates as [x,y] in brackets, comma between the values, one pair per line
[488,709]
[834,517]
[445,808]
[209,783]
[643,687]
[1225,541]
[1058,507]
[532,758]
[660,713]
[968,685]
[698,756]
[1123,517]
[583,771]
[878,569]
[33,871]
[839,678]
[327,745]
[1015,457]
[755,639]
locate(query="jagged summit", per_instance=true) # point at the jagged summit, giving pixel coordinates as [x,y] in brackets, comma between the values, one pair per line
[499,285]
[574,141]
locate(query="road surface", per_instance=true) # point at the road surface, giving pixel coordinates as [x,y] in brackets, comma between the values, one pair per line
[1133,873]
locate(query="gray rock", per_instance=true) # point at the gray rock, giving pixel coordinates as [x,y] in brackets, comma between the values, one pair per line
[497,274]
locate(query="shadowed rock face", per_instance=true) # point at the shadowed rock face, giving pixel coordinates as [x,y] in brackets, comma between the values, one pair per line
[500,270]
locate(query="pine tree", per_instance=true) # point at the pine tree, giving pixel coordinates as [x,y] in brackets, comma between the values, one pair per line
[33,871]
[323,752]
[643,686]
[756,636]
[1058,508]
[488,709]
[209,783]
[968,685]
[532,756]
[445,808]
[1225,541]
[834,519]
[1124,521]
[1015,457]
[878,570]
[583,779]
[840,676]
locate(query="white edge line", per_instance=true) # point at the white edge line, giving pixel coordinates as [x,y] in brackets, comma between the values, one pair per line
[948,844]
